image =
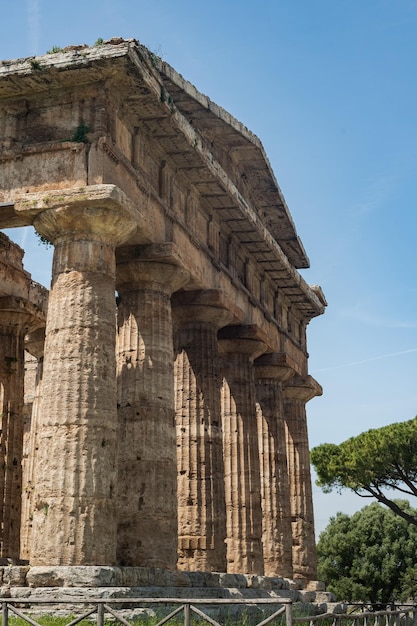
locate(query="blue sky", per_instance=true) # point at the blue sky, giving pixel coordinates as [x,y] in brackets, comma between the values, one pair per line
[329,86]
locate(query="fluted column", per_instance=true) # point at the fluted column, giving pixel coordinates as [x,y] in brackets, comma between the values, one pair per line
[74,504]
[201,502]
[16,318]
[147,481]
[34,345]
[297,393]
[239,346]
[271,371]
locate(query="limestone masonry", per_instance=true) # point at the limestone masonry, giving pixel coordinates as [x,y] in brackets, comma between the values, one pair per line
[162,421]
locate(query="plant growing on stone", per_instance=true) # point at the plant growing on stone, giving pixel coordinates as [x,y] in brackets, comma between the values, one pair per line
[54,50]
[43,241]
[35,65]
[80,133]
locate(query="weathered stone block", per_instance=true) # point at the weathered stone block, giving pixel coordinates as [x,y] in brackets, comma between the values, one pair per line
[73,576]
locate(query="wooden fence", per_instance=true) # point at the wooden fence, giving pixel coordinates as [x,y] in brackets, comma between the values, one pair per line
[281,611]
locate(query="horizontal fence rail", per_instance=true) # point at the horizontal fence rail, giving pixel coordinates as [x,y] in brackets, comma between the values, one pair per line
[406,615]
[283,612]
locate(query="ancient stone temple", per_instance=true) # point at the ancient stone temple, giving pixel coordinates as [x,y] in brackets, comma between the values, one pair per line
[166,422]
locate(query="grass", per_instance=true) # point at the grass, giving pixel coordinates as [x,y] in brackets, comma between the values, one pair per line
[59,620]
[44,620]
[226,615]
[144,620]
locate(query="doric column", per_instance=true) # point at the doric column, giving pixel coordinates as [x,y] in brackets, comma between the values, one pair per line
[201,504]
[34,346]
[297,392]
[16,318]
[239,346]
[74,503]
[147,481]
[271,371]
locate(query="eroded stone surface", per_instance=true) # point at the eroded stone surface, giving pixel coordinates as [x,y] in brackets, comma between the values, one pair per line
[201,489]
[270,373]
[297,392]
[241,456]
[74,502]
[19,313]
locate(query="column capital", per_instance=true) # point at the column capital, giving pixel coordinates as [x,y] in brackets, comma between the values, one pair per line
[210,306]
[97,213]
[275,365]
[302,388]
[154,266]
[20,315]
[35,342]
[242,339]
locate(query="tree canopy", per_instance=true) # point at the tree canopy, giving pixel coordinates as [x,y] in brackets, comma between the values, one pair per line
[370,556]
[371,464]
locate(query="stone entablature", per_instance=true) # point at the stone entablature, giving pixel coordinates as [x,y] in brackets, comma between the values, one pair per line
[161,149]
[146,187]
[15,280]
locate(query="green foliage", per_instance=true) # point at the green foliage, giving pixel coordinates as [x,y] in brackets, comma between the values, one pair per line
[99,42]
[43,241]
[370,556]
[35,65]
[156,57]
[370,464]
[80,133]
[54,49]
[44,620]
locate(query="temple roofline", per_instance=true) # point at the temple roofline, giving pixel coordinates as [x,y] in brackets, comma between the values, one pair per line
[35,74]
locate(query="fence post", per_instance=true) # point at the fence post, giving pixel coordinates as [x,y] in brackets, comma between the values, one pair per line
[186,614]
[4,614]
[100,614]
[288,614]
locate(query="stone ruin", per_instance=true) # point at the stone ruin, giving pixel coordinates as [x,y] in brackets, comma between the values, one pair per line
[166,369]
